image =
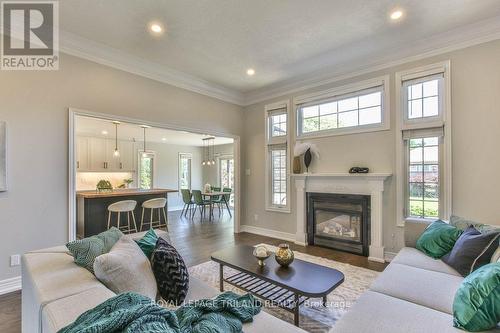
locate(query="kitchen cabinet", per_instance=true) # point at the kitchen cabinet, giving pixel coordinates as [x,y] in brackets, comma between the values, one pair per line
[97,155]
[82,153]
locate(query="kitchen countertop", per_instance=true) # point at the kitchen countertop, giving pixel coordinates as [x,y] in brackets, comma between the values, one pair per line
[122,192]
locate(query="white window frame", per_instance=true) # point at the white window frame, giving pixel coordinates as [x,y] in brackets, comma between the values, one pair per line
[342,92]
[277,141]
[154,180]
[424,125]
[190,157]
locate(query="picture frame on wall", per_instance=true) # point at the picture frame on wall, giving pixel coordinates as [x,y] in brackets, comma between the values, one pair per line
[3,156]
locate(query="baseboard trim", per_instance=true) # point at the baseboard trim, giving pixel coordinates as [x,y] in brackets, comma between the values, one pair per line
[10,285]
[388,256]
[268,232]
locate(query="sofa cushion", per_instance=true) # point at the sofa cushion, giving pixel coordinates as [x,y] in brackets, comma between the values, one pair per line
[375,312]
[438,239]
[125,268]
[427,288]
[55,275]
[87,249]
[472,250]
[170,271]
[463,223]
[64,311]
[413,257]
[476,305]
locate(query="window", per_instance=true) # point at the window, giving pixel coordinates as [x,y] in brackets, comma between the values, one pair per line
[277,157]
[185,171]
[146,170]
[423,100]
[226,175]
[423,177]
[350,109]
[424,185]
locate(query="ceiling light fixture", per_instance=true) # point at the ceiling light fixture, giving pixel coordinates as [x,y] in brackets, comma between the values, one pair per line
[116,153]
[144,152]
[163,139]
[396,14]
[104,132]
[156,28]
[250,72]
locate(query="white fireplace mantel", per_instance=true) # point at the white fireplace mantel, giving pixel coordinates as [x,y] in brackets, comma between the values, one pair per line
[371,184]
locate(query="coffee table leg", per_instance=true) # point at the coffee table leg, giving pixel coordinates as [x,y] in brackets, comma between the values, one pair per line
[296,311]
[221,277]
[324,301]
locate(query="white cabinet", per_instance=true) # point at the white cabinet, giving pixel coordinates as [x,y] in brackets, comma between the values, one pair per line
[82,153]
[97,154]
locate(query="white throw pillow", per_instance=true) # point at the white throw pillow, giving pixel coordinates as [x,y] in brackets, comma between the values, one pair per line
[126,269]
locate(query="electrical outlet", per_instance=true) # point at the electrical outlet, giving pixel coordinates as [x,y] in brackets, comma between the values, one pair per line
[256,217]
[247,172]
[15,260]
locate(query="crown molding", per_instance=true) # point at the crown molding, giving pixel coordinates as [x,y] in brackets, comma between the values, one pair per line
[463,37]
[105,55]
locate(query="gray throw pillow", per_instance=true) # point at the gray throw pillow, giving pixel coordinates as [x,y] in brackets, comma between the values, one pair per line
[472,250]
[126,269]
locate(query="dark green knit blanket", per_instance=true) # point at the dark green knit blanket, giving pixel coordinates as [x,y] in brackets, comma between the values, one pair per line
[130,312]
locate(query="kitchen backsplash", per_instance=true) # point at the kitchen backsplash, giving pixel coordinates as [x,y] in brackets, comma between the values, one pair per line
[89,180]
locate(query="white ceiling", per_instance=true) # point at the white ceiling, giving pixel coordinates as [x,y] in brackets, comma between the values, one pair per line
[285,41]
[94,127]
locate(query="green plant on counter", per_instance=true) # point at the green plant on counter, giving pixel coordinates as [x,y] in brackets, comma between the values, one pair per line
[126,183]
[104,185]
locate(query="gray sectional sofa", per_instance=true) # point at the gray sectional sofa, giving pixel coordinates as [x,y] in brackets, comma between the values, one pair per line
[56,291]
[414,294]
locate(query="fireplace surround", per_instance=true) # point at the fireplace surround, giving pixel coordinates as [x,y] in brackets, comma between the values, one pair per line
[339,221]
[371,184]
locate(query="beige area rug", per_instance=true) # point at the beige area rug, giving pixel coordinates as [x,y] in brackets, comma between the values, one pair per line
[313,316]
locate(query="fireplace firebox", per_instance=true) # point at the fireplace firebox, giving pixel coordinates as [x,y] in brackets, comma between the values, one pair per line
[339,221]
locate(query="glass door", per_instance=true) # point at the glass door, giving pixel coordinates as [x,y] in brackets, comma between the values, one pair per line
[146,170]
[226,175]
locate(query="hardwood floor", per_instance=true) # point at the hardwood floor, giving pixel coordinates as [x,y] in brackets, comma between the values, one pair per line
[195,239]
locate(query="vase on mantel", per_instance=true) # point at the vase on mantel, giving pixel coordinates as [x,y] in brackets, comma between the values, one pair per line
[307,159]
[297,165]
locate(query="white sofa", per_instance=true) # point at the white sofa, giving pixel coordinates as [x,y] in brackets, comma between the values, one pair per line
[414,294]
[56,291]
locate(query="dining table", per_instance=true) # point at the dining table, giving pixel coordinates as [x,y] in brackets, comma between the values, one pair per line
[214,194]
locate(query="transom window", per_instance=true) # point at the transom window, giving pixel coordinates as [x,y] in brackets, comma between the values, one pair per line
[354,111]
[423,177]
[278,124]
[354,108]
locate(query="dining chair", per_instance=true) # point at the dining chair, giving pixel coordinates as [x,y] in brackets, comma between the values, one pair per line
[188,202]
[216,199]
[200,202]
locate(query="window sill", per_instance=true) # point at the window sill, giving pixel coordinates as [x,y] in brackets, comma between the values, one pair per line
[279,209]
[345,131]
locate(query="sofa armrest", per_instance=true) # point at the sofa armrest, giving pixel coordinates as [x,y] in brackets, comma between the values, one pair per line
[413,230]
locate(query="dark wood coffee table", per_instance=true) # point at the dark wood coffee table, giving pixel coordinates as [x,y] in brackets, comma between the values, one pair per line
[287,288]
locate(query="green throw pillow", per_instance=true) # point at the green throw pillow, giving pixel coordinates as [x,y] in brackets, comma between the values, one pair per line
[87,249]
[148,242]
[438,239]
[476,306]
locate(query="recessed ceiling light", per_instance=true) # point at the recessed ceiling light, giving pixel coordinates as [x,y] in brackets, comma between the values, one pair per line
[396,14]
[104,132]
[163,139]
[156,28]
[250,72]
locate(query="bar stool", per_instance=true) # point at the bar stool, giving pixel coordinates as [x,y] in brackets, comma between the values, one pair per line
[125,206]
[157,203]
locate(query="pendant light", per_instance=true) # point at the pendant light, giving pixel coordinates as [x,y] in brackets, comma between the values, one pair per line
[213,151]
[116,153]
[144,153]
[204,152]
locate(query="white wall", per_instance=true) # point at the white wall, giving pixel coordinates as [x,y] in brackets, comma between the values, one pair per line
[167,169]
[34,211]
[475,88]
[211,172]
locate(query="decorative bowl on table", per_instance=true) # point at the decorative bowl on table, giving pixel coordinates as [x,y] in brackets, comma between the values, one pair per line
[261,253]
[284,256]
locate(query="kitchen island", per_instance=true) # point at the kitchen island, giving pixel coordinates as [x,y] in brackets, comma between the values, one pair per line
[92,207]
